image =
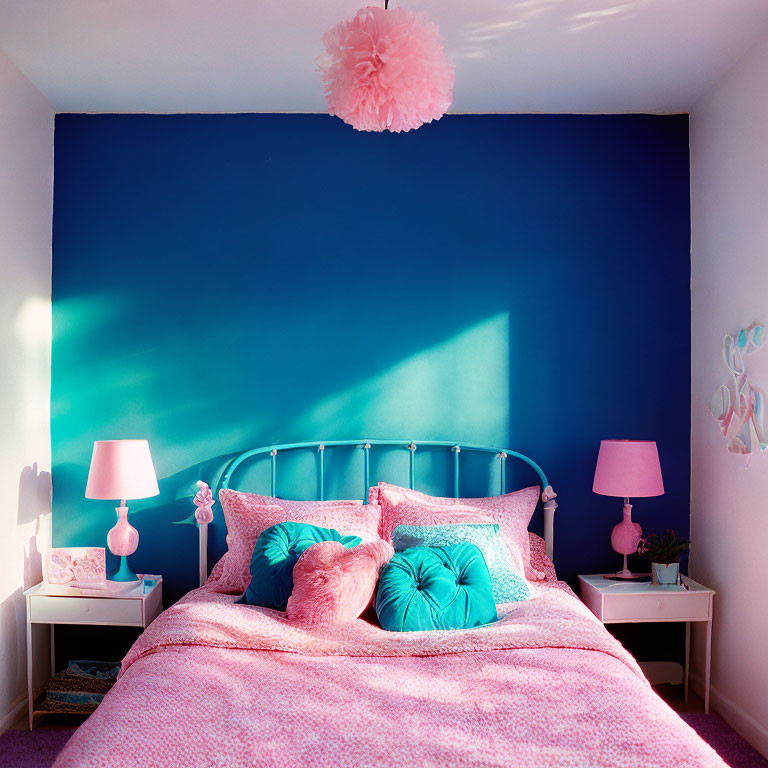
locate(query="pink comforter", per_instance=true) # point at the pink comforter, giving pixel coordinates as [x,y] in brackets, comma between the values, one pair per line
[211,683]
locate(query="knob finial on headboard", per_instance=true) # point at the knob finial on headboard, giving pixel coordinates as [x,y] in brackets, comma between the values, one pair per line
[204,502]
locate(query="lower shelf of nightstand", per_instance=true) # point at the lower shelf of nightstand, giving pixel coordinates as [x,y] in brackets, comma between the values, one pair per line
[44,707]
[61,692]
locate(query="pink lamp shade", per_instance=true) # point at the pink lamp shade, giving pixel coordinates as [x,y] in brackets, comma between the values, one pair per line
[121,469]
[628,469]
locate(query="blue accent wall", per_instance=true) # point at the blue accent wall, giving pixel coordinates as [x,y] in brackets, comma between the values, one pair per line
[222,282]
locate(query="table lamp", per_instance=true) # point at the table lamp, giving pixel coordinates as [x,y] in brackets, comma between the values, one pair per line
[627,468]
[122,469]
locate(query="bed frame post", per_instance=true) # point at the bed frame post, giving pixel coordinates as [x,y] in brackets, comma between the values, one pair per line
[550,505]
[203,530]
[203,502]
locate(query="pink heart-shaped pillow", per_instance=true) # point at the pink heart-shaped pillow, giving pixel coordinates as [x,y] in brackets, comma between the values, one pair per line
[333,584]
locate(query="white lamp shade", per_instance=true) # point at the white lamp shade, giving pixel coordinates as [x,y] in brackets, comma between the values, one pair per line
[121,469]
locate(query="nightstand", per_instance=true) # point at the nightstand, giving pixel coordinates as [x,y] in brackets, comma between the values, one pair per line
[51,605]
[625,602]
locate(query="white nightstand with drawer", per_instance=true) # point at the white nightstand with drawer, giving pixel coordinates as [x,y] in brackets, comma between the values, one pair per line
[625,602]
[46,605]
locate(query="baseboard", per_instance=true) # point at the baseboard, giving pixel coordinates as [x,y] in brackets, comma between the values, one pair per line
[16,711]
[741,722]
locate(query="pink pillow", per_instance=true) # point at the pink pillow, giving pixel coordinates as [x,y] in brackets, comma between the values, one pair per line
[512,512]
[333,584]
[248,514]
[539,560]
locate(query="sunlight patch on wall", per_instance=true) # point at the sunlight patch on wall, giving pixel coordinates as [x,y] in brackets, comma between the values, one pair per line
[76,315]
[32,325]
[456,390]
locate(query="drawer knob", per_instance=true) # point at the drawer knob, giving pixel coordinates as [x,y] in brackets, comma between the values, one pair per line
[658,605]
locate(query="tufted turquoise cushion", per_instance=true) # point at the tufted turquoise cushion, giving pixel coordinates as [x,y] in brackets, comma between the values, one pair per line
[445,587]
[276,552]
[508,585]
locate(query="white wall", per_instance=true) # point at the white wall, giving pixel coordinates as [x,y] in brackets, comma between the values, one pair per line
[729,504]
[26,205]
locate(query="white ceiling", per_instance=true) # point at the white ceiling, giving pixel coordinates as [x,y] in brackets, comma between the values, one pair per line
[258,55]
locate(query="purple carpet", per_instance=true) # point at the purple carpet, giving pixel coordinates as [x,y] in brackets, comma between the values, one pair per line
[21,749]
[38,749]
[724,740]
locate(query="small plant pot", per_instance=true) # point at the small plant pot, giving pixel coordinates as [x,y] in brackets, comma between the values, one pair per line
[665,573]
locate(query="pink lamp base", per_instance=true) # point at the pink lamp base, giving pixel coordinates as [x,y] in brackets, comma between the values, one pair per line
[624,539]
[123,540]
[626,574]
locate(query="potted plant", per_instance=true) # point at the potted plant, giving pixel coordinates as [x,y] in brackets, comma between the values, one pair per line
[663,552]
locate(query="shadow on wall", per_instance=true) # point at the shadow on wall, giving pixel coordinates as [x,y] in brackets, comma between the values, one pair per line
[407,400]
[34,511]
[281,278]
[164,546]
[298,478]
[35,498]
[478,386]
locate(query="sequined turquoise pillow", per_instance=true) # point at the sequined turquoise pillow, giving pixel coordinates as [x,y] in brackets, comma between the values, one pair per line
[508,585]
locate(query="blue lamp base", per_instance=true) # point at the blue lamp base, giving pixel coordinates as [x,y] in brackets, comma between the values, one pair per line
[124,573]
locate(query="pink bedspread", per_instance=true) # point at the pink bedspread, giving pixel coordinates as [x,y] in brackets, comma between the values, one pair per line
[211,683]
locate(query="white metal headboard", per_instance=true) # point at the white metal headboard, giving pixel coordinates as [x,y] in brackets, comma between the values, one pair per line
[204,499]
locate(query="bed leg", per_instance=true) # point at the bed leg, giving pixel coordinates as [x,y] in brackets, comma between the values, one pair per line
[687,655]
[30,673]
[707,665]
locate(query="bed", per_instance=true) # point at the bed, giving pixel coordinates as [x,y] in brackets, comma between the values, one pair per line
[216,683]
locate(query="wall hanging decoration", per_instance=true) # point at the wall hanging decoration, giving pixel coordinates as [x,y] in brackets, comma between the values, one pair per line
[385,69]
[739,408]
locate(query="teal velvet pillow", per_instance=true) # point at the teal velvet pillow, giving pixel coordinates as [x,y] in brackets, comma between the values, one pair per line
[276,552]
[435,588]
[508,585]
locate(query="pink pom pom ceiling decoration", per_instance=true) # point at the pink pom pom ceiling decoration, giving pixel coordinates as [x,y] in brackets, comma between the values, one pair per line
[386,70]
